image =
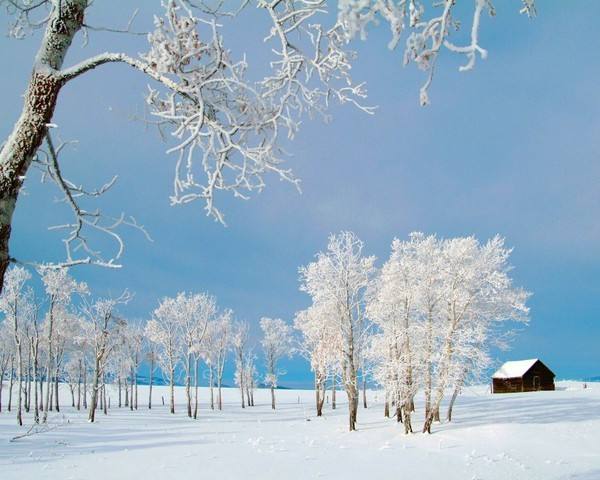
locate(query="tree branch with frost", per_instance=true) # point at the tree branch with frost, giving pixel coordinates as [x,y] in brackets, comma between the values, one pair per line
[28,15]
[76,239]
[430,28]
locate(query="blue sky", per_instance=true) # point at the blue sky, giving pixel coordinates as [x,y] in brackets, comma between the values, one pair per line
[510,148]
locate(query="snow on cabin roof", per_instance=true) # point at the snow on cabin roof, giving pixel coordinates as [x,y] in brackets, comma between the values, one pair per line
[514,369]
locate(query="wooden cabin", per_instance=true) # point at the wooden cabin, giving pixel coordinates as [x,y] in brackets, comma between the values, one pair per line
[522,376]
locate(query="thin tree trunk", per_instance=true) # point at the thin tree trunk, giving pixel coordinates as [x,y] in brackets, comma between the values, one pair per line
[94,399]
[79,385]
[10,385]
[151,380]
[451,406]
[272,397]
[333,392]
[131,394]
[211,381]
[36,410]
[172,385]
[56,400]
[2,373]
[196,388]
[136,388]
[188,385]
[364,391]
[219,393]
[20,379]
[85,405]
[104,402]
[120,393]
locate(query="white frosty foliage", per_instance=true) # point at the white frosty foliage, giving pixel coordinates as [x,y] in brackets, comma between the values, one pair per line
[429,26]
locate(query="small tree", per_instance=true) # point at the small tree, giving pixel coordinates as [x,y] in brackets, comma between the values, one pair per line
[239,342]
[17,306]
[163,331]
[340,278]
[276,343]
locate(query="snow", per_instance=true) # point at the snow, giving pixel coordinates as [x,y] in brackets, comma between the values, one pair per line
[522,436]
[514,369]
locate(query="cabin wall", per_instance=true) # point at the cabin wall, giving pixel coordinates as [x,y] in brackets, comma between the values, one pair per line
[507,385]
[546,380]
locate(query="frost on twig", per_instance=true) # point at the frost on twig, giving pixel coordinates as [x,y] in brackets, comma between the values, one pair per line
[428,25]
[27,15]
[85,222]
[229,129]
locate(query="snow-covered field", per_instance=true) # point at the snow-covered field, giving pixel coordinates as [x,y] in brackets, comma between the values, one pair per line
[542,435]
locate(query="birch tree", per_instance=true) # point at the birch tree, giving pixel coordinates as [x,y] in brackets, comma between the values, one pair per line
[276,344]
[320,344]
[239,342]
[17,307]
[223,124]
[101,322]
[340,278]
[478,289]
[163,331]
[59,287]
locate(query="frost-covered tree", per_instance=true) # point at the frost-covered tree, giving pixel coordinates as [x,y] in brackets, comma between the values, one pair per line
[7,346]
[436,305]
[239,343]
[163,331]
[99,328]
[478,294]
[320,344]
[340,278]
[276,343]
[17,307]
[192,314]
[60,288]
[222,344]
[227,127]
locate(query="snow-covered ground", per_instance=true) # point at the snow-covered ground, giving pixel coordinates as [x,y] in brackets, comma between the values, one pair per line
[542,435]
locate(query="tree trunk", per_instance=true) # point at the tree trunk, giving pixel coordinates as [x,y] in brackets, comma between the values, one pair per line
[211,381]
[196,389]
[28,383]
[36,409]
[188,385]
[452,400]
[120,393]
[352,408]
[11,381]
[131,393]
[151,379]
[333,392]
[219,393]
[94,399]
[364,391]
[20,379]
[272,397]
[135,388]
[56,400]
[104,402]
[38,109]
[79,385]
[2,372]
[172,388]
[85,405]
[386,409]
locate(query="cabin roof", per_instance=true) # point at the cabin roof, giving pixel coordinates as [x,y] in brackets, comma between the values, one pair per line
[514,369]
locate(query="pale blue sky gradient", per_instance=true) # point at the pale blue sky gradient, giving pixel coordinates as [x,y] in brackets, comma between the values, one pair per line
[511,148]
